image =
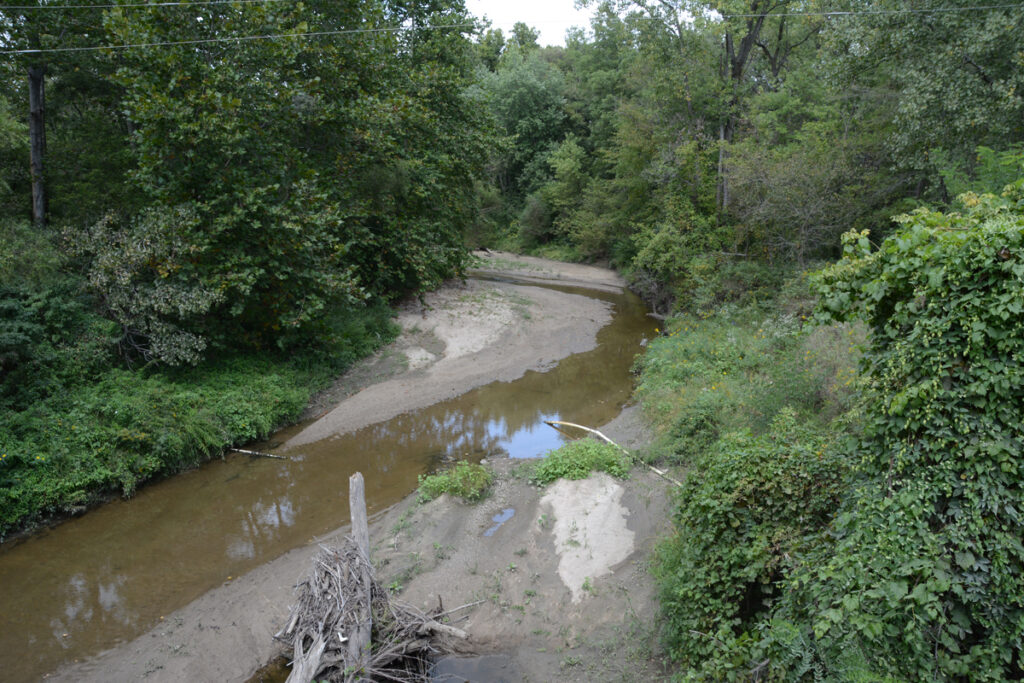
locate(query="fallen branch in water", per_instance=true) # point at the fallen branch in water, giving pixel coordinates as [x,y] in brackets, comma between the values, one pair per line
[258,454]
[661,473]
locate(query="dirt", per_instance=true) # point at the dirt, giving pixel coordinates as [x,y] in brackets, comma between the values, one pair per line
[560,590]
[557,577]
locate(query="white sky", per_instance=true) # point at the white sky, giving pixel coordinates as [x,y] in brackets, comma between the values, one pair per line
[550,17]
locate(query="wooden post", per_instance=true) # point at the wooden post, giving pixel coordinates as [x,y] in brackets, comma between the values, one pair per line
[359,642]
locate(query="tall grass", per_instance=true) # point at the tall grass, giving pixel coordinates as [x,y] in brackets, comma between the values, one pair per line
[735,368]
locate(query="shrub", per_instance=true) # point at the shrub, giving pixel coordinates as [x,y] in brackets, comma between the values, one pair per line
[926,571]
[28,255]
[734,369]
[577,459]
[469,481]
[745,509]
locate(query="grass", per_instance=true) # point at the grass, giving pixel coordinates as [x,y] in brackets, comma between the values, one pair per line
[469,481]
[119,428]
[577,459]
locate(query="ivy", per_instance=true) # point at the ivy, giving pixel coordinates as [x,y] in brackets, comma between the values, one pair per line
[927,567]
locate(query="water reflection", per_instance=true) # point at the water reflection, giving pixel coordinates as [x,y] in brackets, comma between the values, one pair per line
[500,519]
[106,577]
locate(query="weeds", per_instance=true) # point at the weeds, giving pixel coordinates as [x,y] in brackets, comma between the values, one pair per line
[577,459]
[93,429]
[468,481]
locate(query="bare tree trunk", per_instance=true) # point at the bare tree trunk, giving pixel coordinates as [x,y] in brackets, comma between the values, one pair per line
[37,138]
[723,181]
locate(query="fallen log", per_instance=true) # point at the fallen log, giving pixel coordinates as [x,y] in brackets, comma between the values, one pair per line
[258,454]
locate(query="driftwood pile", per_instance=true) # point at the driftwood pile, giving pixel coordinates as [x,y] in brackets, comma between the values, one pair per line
[344,626]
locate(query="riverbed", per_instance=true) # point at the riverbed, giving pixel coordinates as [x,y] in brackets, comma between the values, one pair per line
[479,368]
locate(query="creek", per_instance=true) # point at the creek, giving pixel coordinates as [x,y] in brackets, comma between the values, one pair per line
[78,588]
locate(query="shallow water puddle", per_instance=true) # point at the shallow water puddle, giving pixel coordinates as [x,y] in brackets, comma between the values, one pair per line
[85,585]
[500,519]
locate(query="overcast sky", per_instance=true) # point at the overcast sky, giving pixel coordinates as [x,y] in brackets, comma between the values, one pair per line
[550,17]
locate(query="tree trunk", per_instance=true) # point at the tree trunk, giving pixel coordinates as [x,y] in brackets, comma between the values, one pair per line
[37,138]
[723,180]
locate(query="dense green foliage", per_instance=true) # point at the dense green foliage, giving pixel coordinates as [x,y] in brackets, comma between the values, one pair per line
[885,544]
[577,459]
[225,193]
[92,429]
[927,568]
[467,480]
[227,218]
[746,509]
[751,401]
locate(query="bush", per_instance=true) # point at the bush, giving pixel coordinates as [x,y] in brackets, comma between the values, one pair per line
[49,337]
[28,255]
[734,369]
[534,223]
[577,459]
[926,570]
[746,508]
[469,481]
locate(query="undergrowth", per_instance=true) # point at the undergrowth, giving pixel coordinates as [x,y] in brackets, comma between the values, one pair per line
[746,400]
[77,426]
[735,367]
[469,481]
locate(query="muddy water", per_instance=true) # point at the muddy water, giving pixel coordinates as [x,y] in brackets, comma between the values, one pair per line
[77,589]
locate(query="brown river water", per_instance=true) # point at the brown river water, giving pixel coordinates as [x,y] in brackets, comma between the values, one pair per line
[81,587]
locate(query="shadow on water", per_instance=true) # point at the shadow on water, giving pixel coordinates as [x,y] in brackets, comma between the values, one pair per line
[85,585]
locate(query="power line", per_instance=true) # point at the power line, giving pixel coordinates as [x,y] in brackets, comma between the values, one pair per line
[849,13]
[236,39]
[183,3]
[188,3]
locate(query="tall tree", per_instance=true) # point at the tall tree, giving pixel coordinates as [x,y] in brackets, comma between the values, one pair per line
[956,72]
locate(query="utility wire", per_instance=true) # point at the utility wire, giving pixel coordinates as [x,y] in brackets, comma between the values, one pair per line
[187,3]
[851,13]
[182,3]
[398,29]
[236,39]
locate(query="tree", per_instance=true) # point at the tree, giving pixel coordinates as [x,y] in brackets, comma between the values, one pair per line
[285,176]
[527,96]
[956,76]
[524,37]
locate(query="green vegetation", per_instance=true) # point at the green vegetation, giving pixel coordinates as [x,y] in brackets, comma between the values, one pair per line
[91,428]
[853,524]
[577,459]
[195,236]
[469,481]
[925,569]
[215,227]
[751,401]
